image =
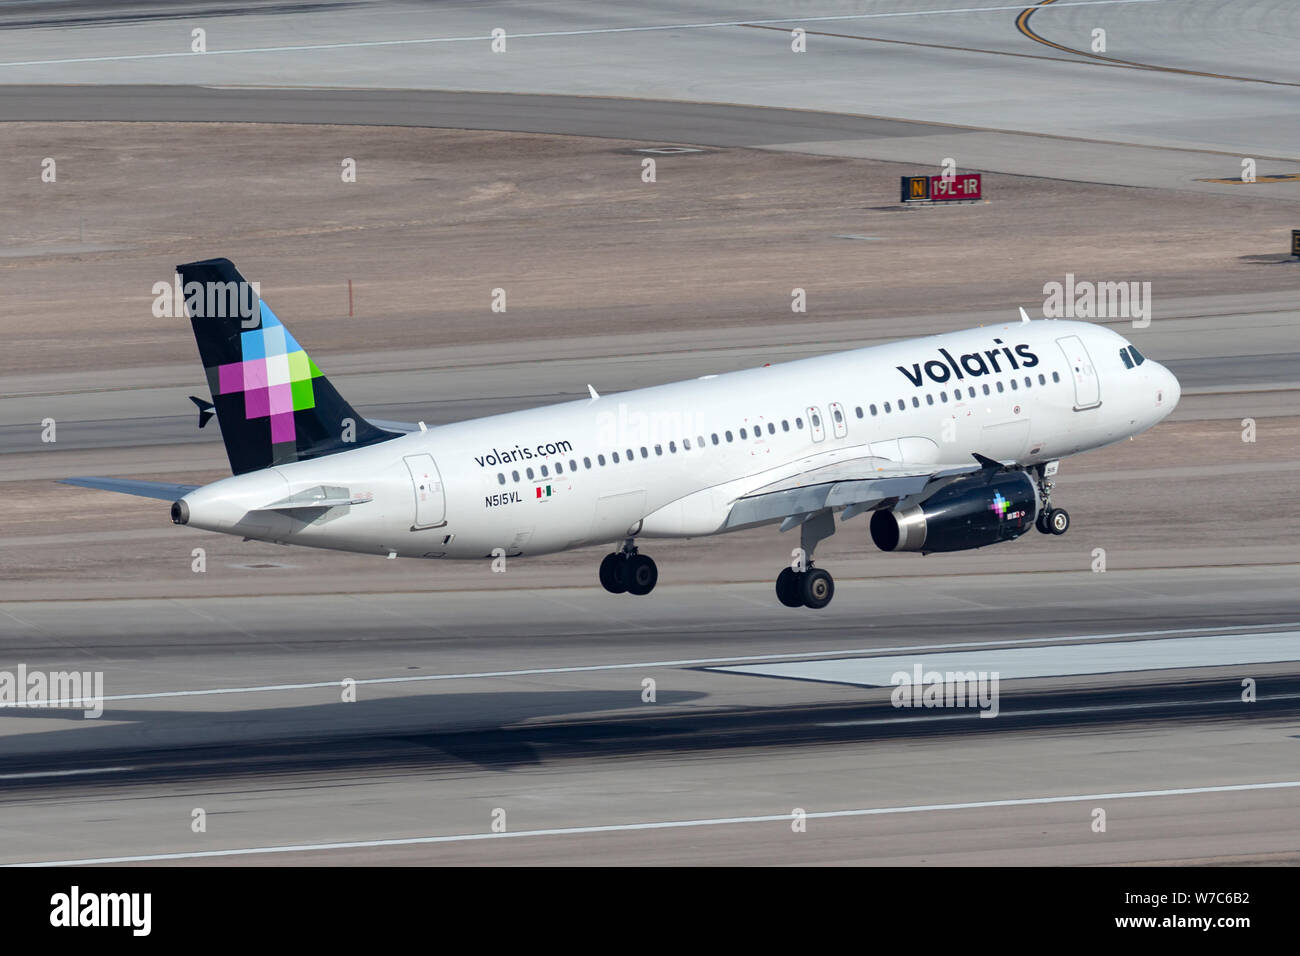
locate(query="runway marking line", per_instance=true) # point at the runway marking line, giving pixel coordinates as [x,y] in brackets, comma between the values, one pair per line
[1022,24]
[696,662]
[665,825]
[40,774]
[595,31]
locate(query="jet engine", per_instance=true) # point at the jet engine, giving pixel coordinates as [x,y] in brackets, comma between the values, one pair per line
[971,512]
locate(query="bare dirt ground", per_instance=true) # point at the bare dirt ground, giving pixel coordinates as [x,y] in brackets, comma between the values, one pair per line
[438,219]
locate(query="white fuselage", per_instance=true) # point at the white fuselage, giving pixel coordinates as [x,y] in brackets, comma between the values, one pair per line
[669,461]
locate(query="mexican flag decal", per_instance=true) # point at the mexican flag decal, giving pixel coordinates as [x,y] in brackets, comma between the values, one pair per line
[543,491]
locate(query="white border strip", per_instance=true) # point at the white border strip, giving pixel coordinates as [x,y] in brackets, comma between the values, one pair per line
[665,825]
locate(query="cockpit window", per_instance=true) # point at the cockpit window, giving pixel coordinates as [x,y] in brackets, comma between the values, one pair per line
[1128,361]
[1138,357]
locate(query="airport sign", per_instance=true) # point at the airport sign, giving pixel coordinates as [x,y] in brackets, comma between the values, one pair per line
[959,187]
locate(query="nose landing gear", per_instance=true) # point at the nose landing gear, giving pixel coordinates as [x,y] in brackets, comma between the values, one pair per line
[1050,520]
[626,571]
[1053,521]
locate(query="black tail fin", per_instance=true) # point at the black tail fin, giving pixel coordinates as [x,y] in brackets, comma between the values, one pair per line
[273,404]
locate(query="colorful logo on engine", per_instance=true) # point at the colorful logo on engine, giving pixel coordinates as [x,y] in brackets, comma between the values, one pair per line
[999,505]
[275,376]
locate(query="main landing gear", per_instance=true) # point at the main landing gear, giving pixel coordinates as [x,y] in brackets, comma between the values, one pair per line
[812,588]
[1050,520]
[802,585]
[627,571]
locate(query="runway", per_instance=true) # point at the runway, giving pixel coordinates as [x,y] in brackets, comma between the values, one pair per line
[527,717]
[1164,106]
[1076,157]
[533,703]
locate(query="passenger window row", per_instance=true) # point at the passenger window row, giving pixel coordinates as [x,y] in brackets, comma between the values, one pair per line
[956,394]
[744,433]
[754,433]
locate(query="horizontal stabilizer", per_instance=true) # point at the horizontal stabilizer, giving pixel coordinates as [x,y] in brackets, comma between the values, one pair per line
[322,496]
[163,490]
[205,409]
[318,503]
[404,428]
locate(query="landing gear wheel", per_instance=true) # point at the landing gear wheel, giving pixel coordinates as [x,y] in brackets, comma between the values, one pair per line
[640,574]
[1058,520]
[817,588]
[611,573]
[788,588]
[1041,522]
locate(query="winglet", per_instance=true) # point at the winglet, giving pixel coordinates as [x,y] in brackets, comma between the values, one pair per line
[1024,316]
[592,389]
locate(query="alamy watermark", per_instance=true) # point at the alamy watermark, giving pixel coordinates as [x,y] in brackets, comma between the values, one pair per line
[209,300]
[625,426]
[920,688]
[73,690]
[1083,299]
[76,908]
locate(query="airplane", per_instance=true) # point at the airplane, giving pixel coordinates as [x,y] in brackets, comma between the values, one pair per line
[945,443]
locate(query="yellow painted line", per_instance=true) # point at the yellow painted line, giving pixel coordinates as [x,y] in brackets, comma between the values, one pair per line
[1284,178]
[931,46]
[1022,24]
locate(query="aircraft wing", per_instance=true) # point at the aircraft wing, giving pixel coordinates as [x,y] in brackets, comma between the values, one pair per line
[128,486]
[855,485]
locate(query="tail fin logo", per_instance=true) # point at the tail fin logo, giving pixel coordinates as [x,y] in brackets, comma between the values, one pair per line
[274,405]
[274,374]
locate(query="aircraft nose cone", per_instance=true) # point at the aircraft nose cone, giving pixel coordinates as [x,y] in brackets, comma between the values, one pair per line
[1174,391]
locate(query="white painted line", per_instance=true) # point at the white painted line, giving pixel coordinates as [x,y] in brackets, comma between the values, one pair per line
[696,662]
[353,44]
[62,773]
[1006,711]
[1067,660]
[664,825]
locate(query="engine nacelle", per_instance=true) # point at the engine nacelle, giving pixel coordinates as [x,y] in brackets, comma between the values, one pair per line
[969,513]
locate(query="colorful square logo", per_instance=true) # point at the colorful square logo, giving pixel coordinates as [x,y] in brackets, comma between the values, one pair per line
[275,376]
